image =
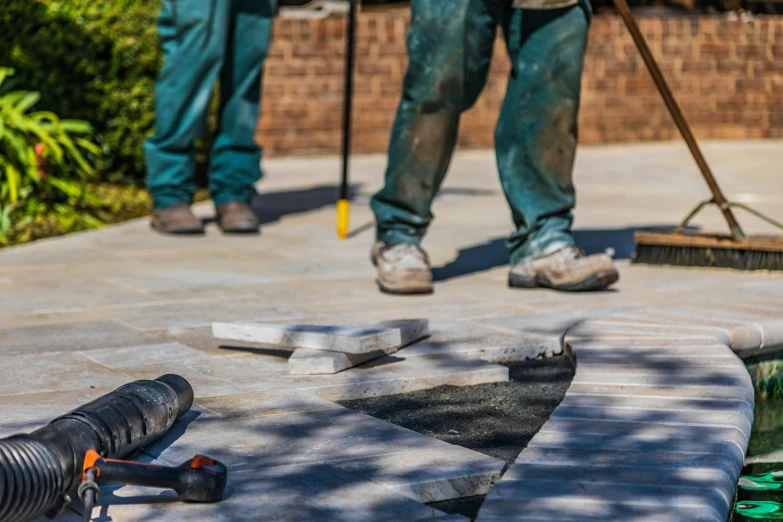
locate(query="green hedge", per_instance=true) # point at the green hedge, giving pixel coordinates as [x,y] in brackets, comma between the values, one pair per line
[94,60]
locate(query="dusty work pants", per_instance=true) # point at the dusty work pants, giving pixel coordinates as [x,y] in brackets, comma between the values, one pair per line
[205,41]
[450,48]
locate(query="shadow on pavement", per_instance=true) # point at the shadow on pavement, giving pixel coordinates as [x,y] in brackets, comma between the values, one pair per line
[493,253]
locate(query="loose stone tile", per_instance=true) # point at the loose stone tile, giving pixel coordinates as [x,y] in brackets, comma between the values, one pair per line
[661,341]
[413,464]
[55,373]
[70,337]
[563,497]
[316,362]
[297,493]
[356,340]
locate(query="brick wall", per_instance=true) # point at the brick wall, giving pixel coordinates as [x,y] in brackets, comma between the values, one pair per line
[727,75]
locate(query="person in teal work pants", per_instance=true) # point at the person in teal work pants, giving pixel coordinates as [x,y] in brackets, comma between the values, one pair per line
[207,42]
[450,47]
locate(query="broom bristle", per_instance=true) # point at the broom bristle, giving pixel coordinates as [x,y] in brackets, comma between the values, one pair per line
[693,256]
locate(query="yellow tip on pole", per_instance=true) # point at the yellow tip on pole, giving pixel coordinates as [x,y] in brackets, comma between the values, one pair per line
[343,216]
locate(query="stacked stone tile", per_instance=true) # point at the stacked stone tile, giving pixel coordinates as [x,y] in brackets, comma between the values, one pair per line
[320,349]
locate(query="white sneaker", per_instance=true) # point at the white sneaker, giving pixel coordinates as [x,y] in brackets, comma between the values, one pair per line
[403,268]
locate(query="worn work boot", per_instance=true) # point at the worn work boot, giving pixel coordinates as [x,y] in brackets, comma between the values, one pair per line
[176,219]
[568,270]
[403,268]
[237,218]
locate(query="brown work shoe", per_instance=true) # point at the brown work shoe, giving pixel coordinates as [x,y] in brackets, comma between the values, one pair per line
[403,268]
[237,218]
[568,270]
[176,219]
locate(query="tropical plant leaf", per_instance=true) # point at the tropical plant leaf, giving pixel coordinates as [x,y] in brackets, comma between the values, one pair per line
[76,126]
[29,99]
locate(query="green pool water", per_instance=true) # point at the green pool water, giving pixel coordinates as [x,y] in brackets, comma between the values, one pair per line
[766,441]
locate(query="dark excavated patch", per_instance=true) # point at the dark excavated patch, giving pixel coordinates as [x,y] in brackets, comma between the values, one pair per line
[494,419]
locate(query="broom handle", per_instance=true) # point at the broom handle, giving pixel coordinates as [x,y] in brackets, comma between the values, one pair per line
[347,101]
[677,116]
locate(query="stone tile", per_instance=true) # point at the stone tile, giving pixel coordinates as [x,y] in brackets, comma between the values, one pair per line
[425,372]
[27,412]
[688,477]
[660,357]
[655,416]
[608,327]
[564,500]
[670,462]
[125,357]
[566,428]
[410,463]
[267,402]
[590,442]
[201,313]
[744,393]
[472,340]
[659,403]
[354,340]
[430,476]
[55,373]
[305,492]
[69,337]
[49,291]
[316,362]
[714,379]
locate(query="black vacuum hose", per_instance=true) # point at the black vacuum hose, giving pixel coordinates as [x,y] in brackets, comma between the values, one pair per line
[39,470]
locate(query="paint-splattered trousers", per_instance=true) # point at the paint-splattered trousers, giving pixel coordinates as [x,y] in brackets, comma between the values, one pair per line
[450,48]
[205,41]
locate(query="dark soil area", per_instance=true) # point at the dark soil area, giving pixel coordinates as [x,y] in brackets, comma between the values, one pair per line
[495,419]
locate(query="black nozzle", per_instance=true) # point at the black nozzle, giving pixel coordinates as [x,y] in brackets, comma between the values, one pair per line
[183,389]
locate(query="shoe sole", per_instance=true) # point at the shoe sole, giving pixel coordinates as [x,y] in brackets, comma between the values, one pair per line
[599,281]
[178,232]
[242,231]
[416,290]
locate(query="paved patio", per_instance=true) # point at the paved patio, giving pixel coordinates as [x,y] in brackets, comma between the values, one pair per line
[83,314]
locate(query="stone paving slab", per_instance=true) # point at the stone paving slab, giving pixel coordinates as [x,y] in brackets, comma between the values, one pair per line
[405,461]
[353,340]
[662,432]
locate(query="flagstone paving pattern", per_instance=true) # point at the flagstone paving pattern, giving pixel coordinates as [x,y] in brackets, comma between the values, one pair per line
[656,363]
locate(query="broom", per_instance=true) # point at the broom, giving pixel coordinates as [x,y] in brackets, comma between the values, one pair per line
[343,203]
[685,248]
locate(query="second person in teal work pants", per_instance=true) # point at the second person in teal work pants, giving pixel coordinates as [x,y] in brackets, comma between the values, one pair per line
[207,42]
[450,48]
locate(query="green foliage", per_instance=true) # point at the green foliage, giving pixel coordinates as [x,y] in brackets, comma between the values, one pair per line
[42,159]
[95,61]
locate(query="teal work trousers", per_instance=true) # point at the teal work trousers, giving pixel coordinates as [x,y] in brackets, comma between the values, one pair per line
[207,42]
[450,48]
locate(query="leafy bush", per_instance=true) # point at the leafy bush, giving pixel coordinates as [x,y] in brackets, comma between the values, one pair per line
[92,60]
[42,160]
